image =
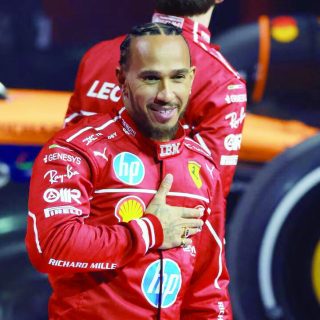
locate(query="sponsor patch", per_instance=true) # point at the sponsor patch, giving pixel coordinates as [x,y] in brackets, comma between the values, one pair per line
[232,142]
[169,149]
[82,265]
[236,98]
[128,168]
[176,21]
[54,177]
[171,285]
[229,160]
[222,310]
[49,212]
[190,249]
[64,195]
[91,138]
[235,121]
[112,136]
[105,91]
[101,154]
[61,156]
[194,171]
[127,128]
[129,208]
[210,169]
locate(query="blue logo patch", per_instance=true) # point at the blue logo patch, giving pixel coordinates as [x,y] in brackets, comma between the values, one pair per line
[171,283]
[128,168]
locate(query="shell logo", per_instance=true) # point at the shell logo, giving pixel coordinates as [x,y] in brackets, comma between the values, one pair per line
[284,29]
[129,208]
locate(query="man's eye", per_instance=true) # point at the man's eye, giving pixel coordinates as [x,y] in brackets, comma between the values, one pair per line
[150,78]
[179,77]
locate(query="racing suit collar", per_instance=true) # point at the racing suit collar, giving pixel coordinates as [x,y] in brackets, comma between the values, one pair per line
[162,150]
[199,31]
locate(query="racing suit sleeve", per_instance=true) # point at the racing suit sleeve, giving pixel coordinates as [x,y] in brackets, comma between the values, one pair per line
[217,122]
[59,236]
[207,297]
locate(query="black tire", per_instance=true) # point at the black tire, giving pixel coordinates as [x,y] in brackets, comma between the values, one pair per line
[272,238]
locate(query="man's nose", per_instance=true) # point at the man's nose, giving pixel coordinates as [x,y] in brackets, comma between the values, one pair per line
[165,92]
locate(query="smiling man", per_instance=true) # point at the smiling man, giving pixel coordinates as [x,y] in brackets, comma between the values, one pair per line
[156,77]
[126,214]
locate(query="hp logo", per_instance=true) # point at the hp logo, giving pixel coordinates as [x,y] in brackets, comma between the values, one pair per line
[171,283]
[128,168]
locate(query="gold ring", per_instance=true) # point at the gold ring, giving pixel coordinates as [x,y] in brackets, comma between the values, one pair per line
[183,242]
[185,232]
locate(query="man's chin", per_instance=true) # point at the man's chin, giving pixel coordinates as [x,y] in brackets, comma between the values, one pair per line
[163,132]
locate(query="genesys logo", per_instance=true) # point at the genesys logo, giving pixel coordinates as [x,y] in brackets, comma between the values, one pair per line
[171,283]
[49,212]
[236,98]
[105,91]
[64,195]
[128,168]
[61,156]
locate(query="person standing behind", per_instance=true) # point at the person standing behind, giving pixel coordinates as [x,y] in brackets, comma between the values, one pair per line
[113,245]
[218,101]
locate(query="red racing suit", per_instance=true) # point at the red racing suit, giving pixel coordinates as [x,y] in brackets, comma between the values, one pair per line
[87,226]
[217,105]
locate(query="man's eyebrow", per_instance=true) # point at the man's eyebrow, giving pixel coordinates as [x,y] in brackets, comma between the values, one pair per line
[149,72]
[183,70]
[157,73]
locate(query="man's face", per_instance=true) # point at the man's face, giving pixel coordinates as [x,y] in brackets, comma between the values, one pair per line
[157,84]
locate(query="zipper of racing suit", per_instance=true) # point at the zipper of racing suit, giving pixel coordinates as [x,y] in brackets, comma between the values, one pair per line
[161,259]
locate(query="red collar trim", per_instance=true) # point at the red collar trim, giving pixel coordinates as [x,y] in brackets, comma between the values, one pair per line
[163,150]
[200,32]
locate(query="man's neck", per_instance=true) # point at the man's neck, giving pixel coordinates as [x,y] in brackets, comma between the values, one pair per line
[204,19]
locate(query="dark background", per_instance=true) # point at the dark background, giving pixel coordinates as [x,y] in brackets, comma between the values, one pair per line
[42,42]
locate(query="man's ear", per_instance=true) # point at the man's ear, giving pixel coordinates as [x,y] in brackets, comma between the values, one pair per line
[120,76]
[192,73]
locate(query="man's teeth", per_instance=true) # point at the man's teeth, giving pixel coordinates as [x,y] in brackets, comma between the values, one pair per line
[165,111]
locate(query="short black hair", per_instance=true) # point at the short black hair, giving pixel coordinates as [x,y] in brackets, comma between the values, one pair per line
[183,7]
[146,29]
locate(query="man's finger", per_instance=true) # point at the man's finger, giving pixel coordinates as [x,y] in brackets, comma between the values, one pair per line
[165,187]
[191,223]
[191,213]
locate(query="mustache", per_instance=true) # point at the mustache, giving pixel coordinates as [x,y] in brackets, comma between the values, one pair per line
[162,104]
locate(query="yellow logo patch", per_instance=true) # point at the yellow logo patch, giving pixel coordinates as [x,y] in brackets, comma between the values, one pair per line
[194,170]
[129,208]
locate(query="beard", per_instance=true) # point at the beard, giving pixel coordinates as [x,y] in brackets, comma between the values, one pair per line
[155,133]
[144,124]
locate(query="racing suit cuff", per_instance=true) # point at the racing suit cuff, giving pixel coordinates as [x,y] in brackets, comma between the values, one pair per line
[155,230]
